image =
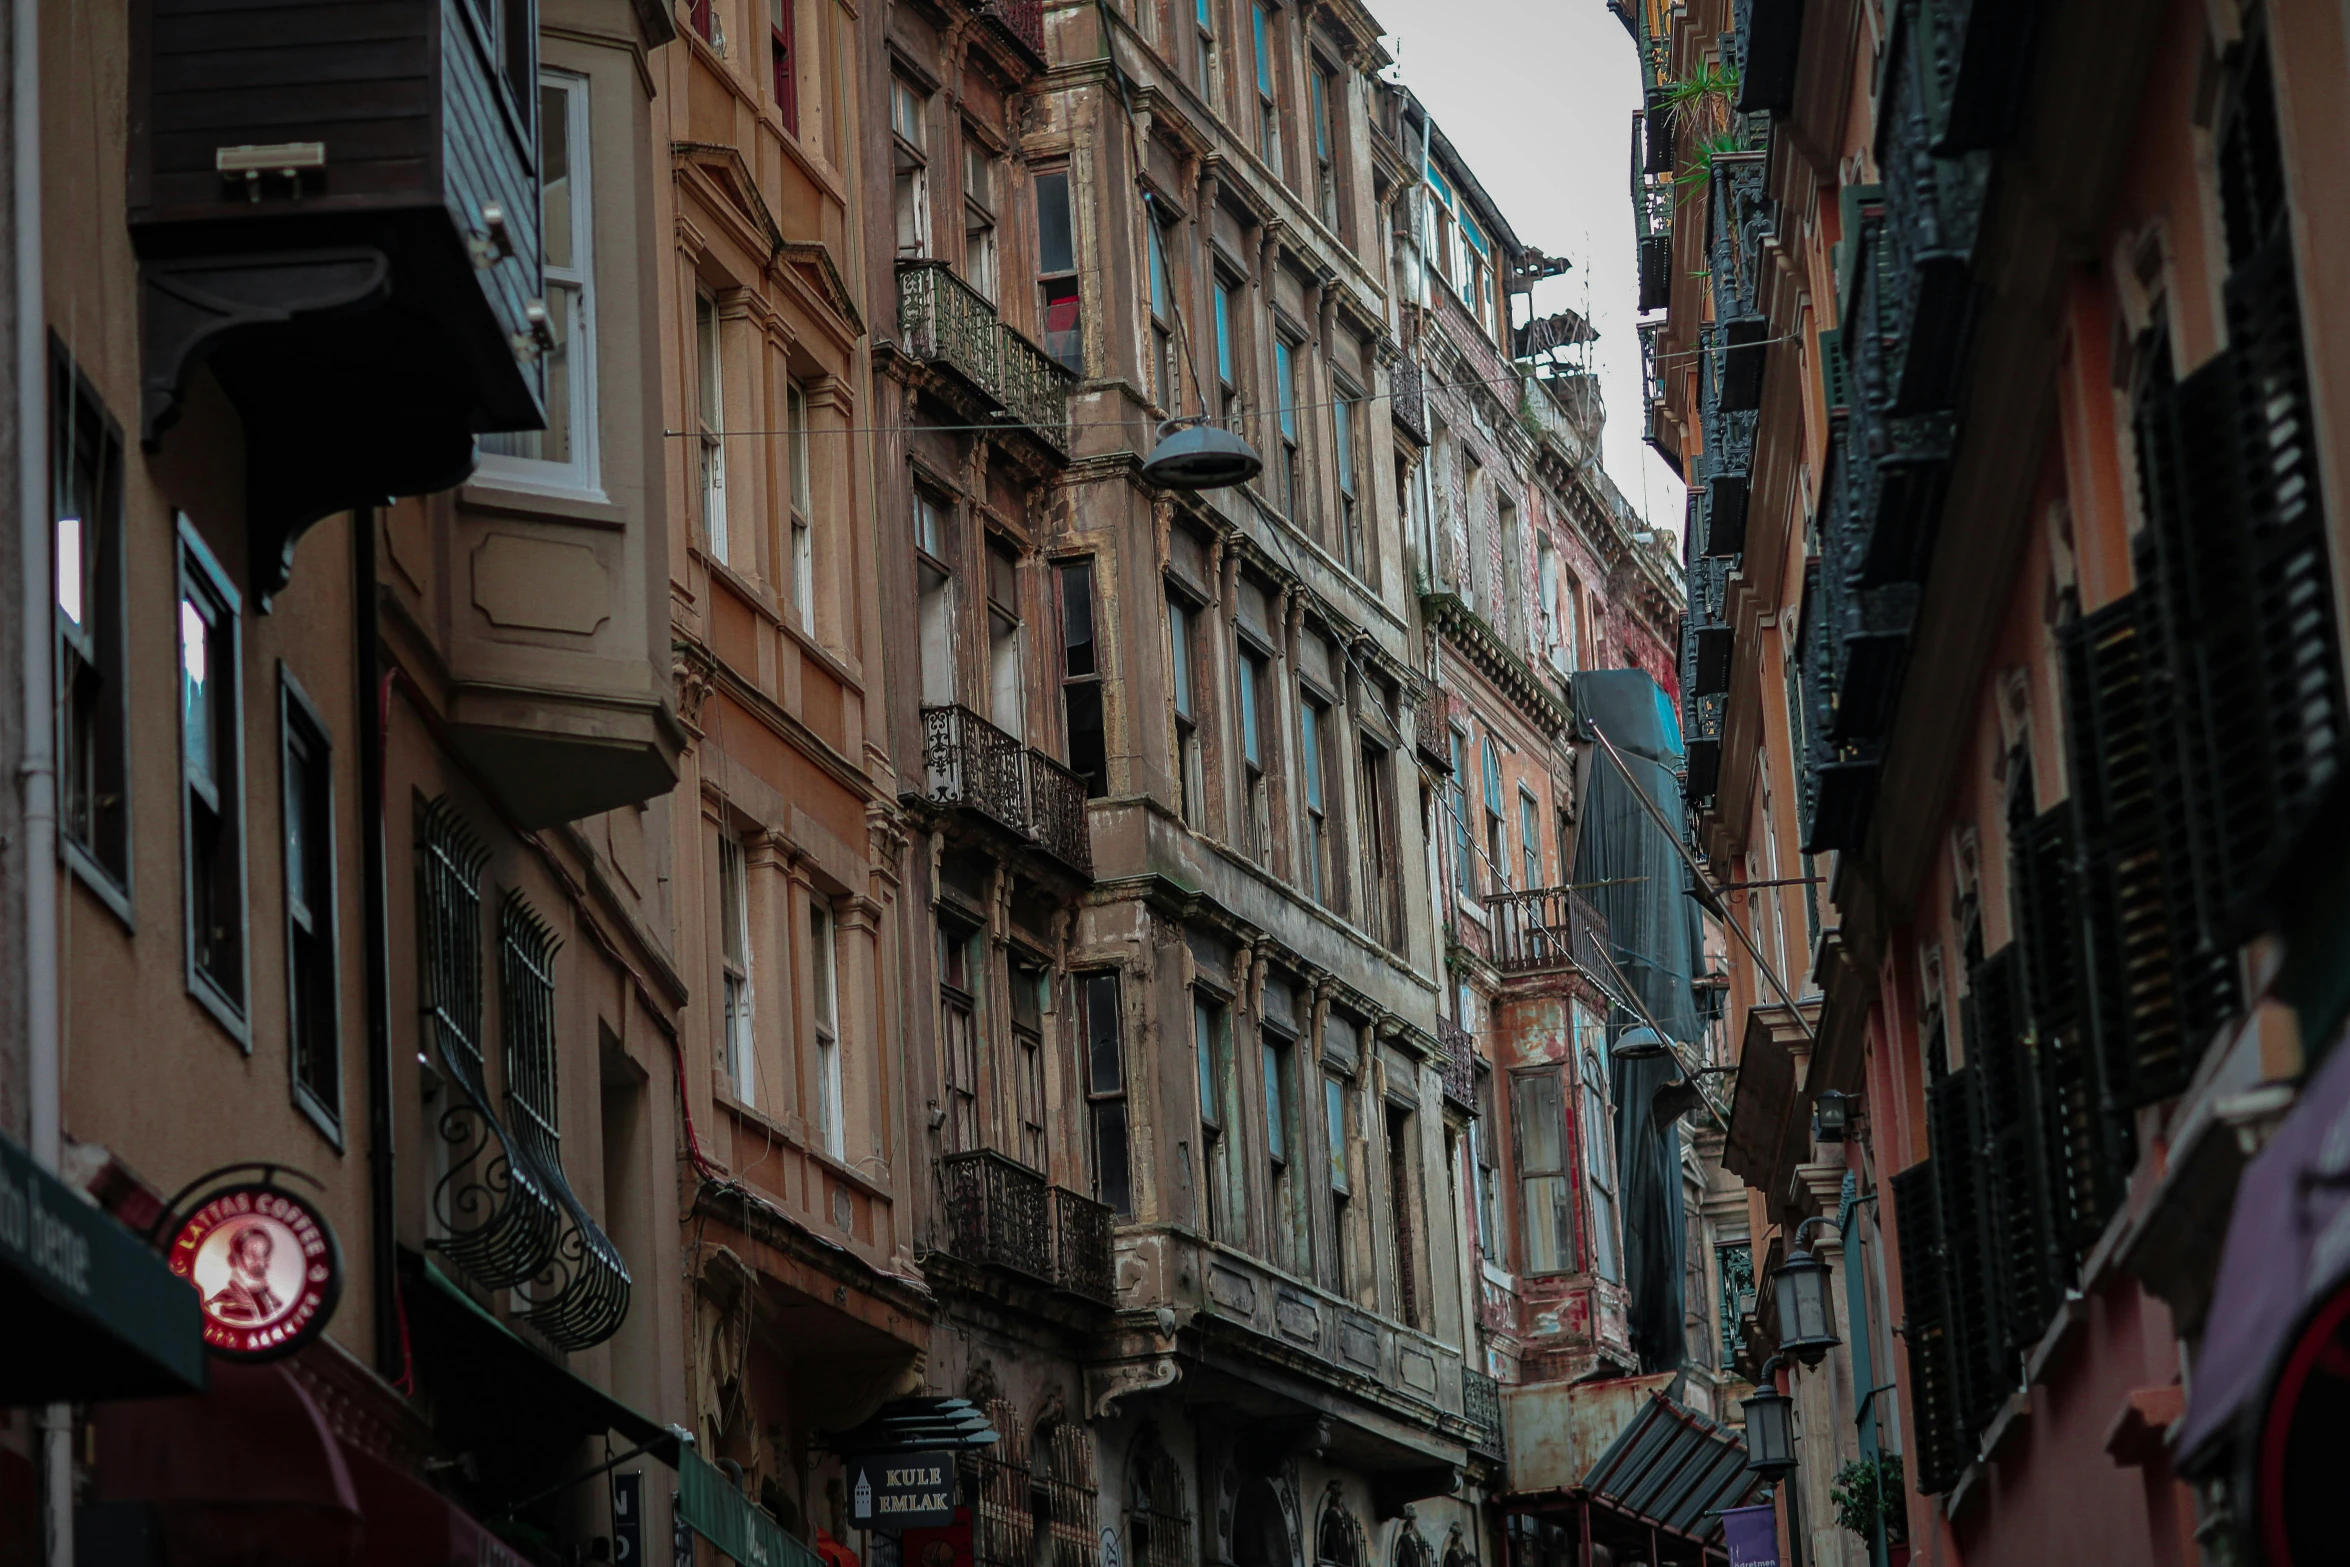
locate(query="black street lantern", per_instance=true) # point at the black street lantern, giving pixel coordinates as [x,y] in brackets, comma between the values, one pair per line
[1770,1428]
[1640,1043]
[1832,1112]
[1807,1318]
[1198,456]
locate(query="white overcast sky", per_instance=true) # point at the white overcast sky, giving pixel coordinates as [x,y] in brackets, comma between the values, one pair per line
[1538,95]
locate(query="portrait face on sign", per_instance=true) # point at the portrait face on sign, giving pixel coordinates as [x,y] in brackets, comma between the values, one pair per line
[265,1267]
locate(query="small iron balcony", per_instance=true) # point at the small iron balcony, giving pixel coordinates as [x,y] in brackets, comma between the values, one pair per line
[1000,1213]
[1546,929]
[970,763]
[946,321]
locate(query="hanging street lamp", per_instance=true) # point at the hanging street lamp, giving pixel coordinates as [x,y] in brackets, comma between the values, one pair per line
[1195,455]
[1807,1317]
[1770,1425]
[1832,1112]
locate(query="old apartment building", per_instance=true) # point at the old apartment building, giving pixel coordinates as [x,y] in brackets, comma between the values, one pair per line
[758,872]
[2004,363]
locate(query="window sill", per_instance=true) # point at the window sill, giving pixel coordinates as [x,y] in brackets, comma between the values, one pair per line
[208,996]
[329,1124]
[100,883]
[511,495]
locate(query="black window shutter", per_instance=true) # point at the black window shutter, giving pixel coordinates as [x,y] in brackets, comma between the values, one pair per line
[1971,1296]
[2015,1173]
[1937,1447]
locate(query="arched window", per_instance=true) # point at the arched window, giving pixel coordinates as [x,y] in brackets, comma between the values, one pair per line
[1003,1533]
[1066,1476]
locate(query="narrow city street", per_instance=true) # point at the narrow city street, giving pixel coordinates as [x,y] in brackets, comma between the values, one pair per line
[1174,783]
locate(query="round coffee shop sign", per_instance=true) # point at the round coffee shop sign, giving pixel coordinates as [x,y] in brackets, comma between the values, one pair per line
[265,1266]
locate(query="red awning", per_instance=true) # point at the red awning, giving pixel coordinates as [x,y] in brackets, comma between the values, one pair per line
[248,1475]
[251,1475]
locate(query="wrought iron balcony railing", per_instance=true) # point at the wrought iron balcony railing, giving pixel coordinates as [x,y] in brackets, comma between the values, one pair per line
[946,321]
[1481,1404]
[970,763]
[1456,1063]
[1000,1213]
[1546,929]
[1022,19]
[1407,398]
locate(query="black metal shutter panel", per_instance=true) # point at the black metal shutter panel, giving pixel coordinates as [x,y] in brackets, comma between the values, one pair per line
[1937,1449]
[1971,1298]
[2015,1166]
[2047,915]
[2289,602]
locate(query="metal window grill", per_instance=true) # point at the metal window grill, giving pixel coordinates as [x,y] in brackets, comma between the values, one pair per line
[1157,1523]
[1072,1494]
[496,1222]
[580,1297]
[1003,1527]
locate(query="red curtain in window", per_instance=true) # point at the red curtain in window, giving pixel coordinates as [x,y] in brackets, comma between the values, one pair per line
[787,87]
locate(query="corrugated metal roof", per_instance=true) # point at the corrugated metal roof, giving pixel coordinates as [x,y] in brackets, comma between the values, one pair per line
[1675,1468]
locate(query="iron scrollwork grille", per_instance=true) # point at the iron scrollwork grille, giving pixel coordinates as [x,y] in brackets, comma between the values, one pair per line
[580,1297]
[497,1222]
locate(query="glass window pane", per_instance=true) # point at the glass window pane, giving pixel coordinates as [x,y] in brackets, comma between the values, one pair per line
[1309,721]
[195,688]
[1056,243]
[1077,645]
[1107,1067]
[1251,743]
[1264,54]
[1285,385]
[1203,1038]
[1334,1129]
[1224,334]
[1276,1106]
[555,174]
[1162,288]
[1179,654]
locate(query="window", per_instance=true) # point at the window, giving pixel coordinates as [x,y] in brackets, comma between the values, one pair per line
[1253,675]
[1203,12]
[1599,1144]
[710,412]
[1403,1204]
[1547,589]
[1292,472]
[1290,1247]
[1056,271]
[1475,274]
[313,976]
[1496,852]
[1509,588]
[979,243]
[783,62]
[1028,1085]
[1227,360]
[1313,723]
[1325,87]
[1547,1216]
[737,1048]
[824,987]
[959,1034]
[1211,1038]
[1382,890]
[1105,1092]
[909,114]
[1530,837]
[703,15]
[1481,1160]
[1335,1141]
[1268,115]
[93,737]
[564,453]
[935,606]
[1006,639]
[1345,410]
[1438,241]
[1165,369]
[1181,645]
[212,767]
[803,540]
[1464,871]
[1081,680]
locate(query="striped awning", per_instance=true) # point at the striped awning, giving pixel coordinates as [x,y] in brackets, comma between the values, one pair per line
[1674,1468]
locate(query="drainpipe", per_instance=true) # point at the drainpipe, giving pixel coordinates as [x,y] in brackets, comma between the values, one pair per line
[44,1077]
[374,704]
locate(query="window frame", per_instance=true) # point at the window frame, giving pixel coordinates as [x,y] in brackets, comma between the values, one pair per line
[1338,1142]
[1527,1088]
[301,724]
[738,1034]
[1252,673]
[1204,45]
[1464,841]
[1082,689]
[831,1117]
[1212,1050]
[1530,836]
[980,218]
[1183,704]
[960,1096]
[1295,486]
[1345,409]
[1267,81]
[1313,731]
[799,503]
[201,575]
[784,61]
[96,645]
[1031,1082]
[1159,267]
[710,422]
[1324,86]
[1230,364]
[1106,1101]
[1059,286]
[581,474]
[1597,1124]
[1496,827]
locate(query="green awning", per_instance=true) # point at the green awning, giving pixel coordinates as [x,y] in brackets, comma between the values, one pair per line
[94,1312]
[710,1505]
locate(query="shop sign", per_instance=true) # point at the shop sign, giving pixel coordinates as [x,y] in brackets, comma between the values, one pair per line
[1752,1534]
[628,1519]
[903,1491]
[265,1267]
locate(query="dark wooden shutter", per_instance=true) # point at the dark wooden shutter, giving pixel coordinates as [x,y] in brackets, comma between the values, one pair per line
[1937,1448]
[2004,1057]
[1971,1299]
